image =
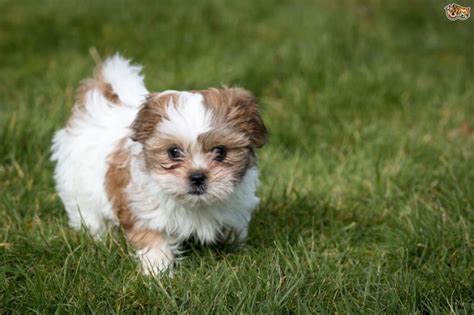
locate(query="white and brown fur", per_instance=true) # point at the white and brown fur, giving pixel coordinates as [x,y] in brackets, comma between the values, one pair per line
[113,162]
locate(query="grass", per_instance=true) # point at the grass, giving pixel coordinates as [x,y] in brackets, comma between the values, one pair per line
[367,181]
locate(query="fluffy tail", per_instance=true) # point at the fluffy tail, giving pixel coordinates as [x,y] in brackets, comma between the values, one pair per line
[125,80]
[117,80]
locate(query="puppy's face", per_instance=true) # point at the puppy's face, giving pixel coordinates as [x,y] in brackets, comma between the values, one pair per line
[199,145]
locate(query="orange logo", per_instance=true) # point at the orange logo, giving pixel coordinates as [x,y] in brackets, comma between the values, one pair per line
[457,12]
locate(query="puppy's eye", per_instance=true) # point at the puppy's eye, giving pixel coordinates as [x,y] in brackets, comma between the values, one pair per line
[175,153]
[219,153]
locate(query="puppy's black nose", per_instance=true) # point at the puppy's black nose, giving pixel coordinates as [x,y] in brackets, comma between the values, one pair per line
[197,178]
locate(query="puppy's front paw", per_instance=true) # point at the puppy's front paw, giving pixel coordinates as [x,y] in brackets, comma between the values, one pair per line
[156,261]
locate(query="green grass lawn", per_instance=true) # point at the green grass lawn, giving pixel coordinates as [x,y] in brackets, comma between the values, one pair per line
[367,181]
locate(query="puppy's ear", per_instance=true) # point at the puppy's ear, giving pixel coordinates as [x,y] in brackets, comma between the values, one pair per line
[244,113]
[152,111]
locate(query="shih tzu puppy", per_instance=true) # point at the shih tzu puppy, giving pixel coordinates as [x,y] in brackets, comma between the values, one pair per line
[165,166]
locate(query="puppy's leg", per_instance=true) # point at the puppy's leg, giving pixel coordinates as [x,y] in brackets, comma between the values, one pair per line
[242,234]
[153,249]
[237,235]
[86,213]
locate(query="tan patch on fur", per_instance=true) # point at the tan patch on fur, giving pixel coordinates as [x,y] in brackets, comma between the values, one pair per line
[237,108]
[231,137]
[145,238]
[117,178]
[144,126]
[150,114]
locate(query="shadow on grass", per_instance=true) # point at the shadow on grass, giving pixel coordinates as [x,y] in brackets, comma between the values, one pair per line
[285,218]
[291,217]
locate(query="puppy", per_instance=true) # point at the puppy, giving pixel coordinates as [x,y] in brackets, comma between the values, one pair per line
[165,166]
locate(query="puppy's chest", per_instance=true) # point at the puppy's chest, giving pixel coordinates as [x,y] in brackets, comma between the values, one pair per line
[181,222]
[154,210]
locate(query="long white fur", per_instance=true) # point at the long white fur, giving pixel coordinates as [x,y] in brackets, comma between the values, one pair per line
[125,79]
[81,150]
[188,119]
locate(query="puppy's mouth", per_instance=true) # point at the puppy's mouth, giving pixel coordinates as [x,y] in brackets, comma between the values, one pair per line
[197,191]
